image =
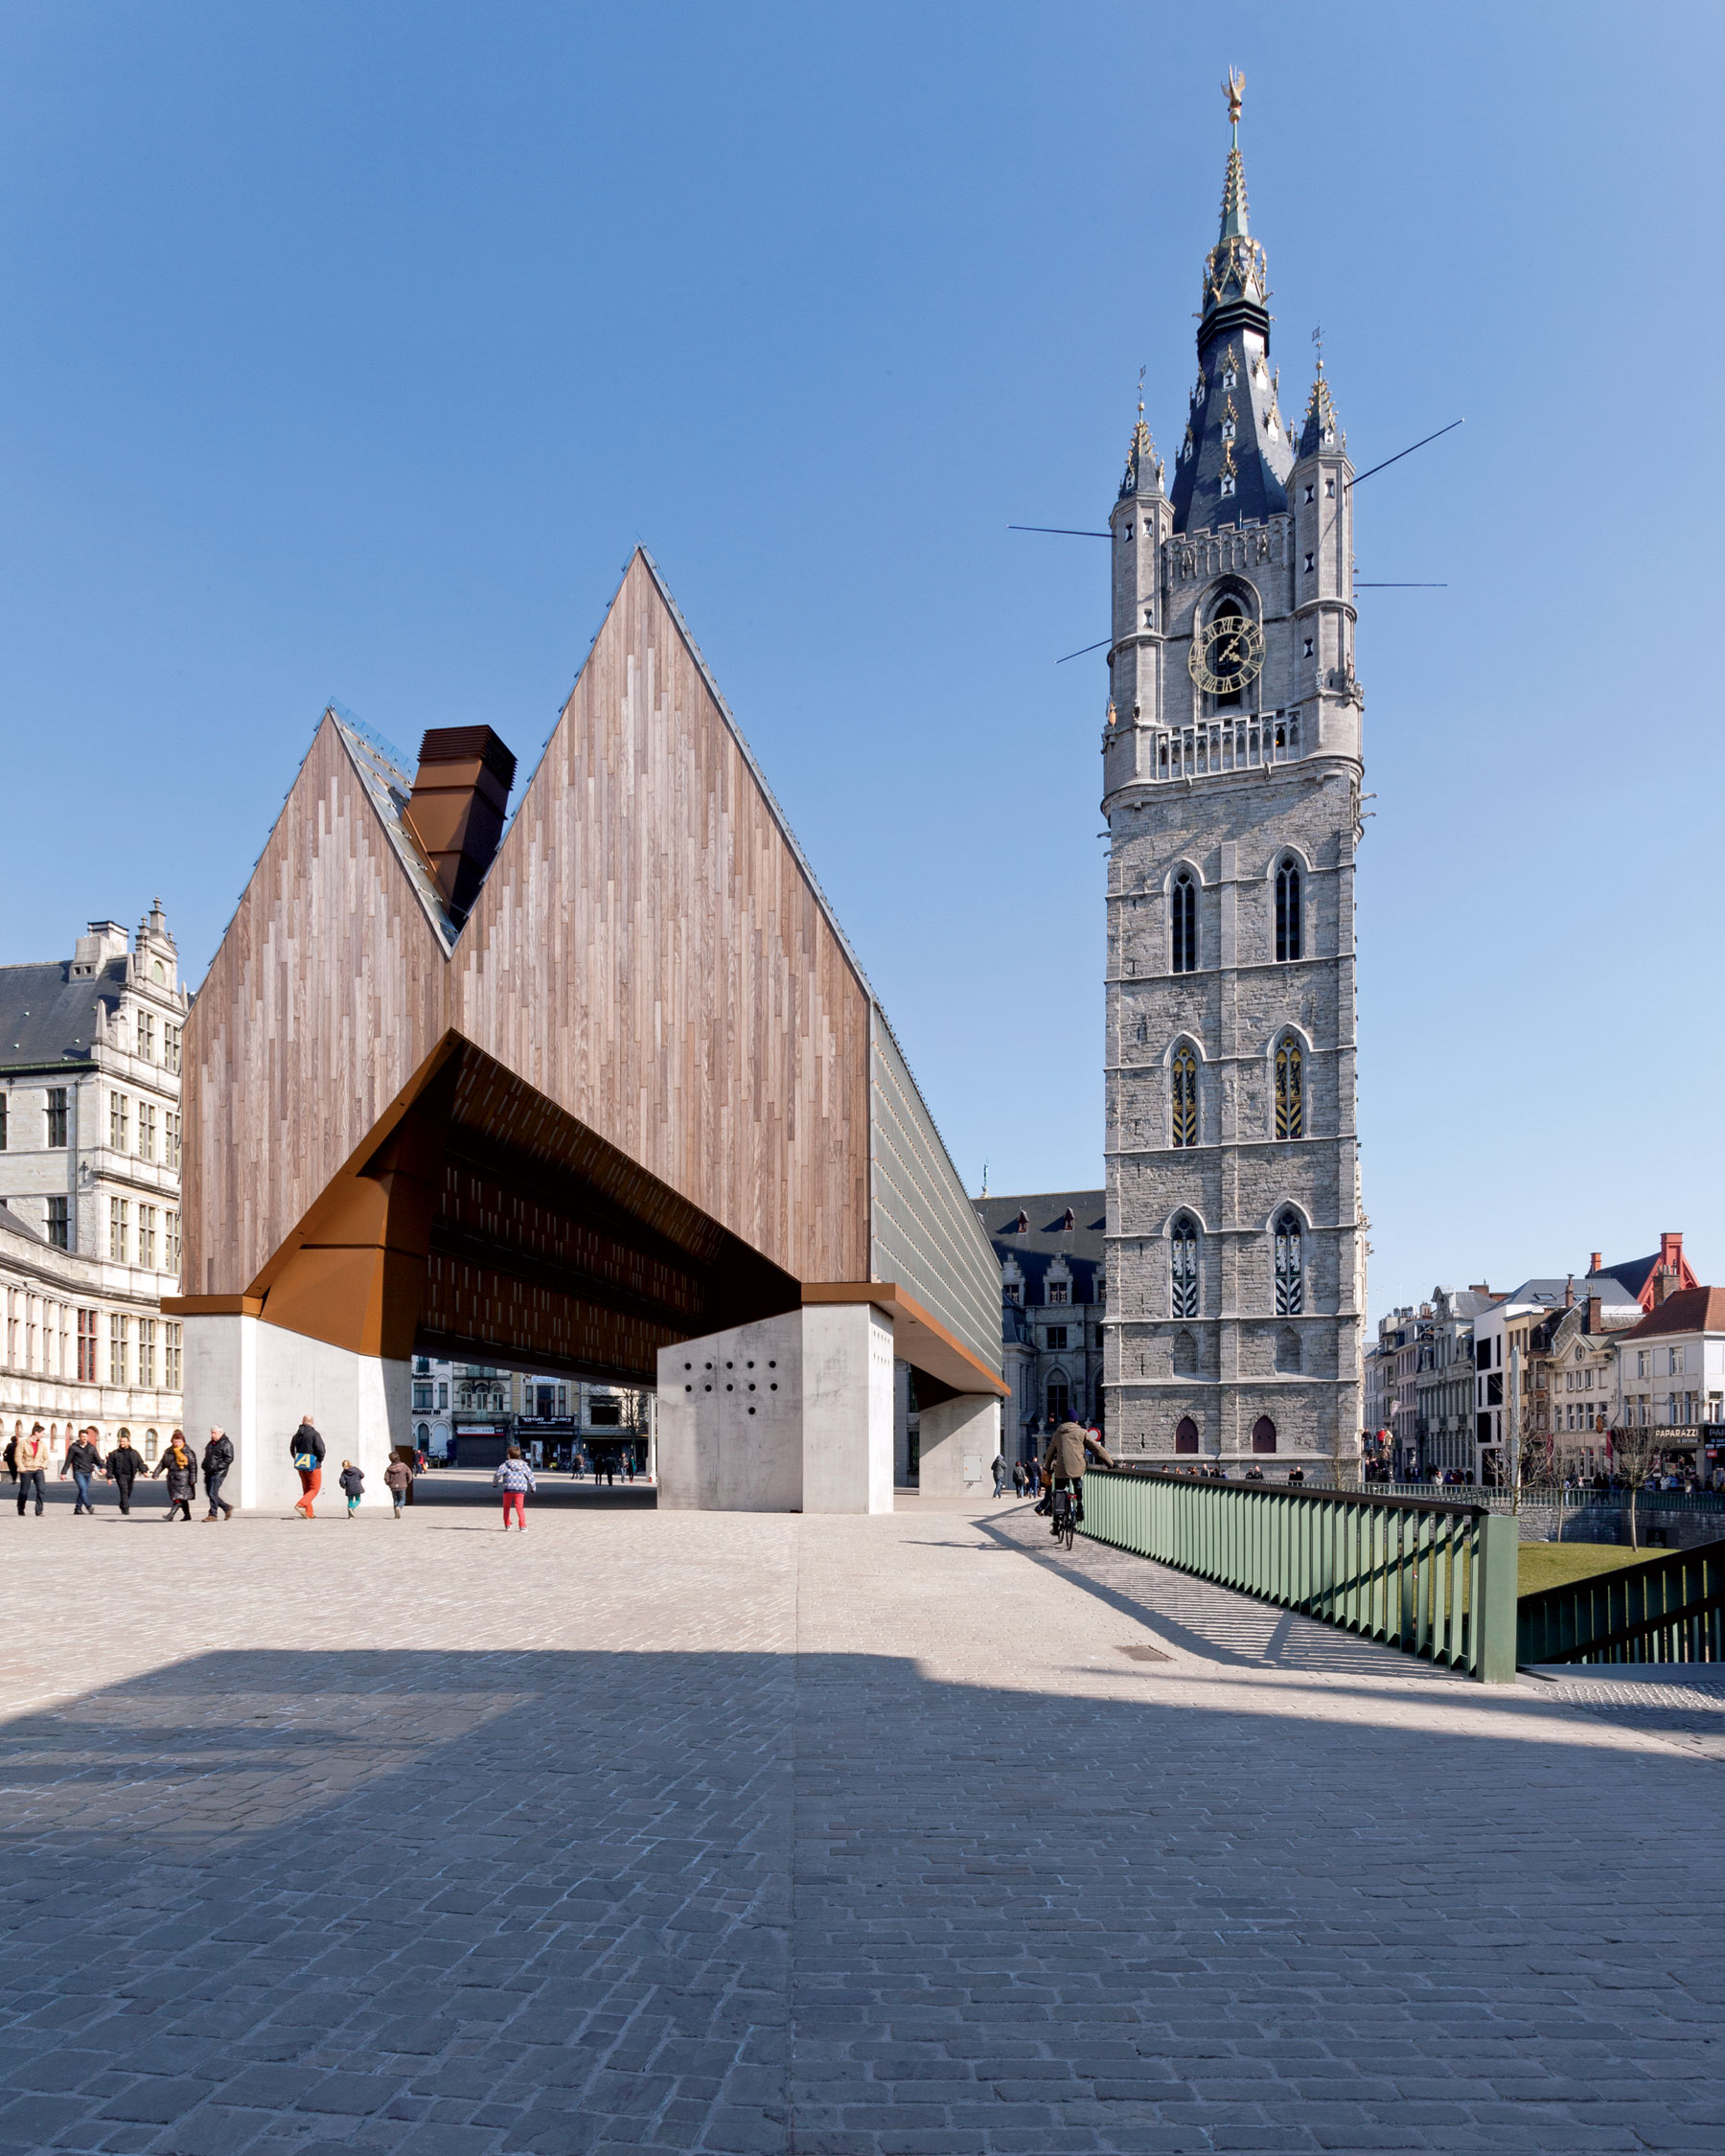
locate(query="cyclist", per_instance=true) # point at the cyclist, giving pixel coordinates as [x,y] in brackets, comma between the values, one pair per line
[1063,1464]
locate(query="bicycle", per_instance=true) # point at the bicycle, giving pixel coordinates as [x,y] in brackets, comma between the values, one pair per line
[1069,1510]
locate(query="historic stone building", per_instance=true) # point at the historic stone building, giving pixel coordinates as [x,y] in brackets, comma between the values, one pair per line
[90,1184]
[1232,762]
[1054,1299]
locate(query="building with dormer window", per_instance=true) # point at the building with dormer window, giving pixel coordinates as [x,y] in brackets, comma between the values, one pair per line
[90,1184]
[1053,1295]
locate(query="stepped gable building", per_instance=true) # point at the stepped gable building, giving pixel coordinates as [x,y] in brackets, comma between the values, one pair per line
[599,1091]
[1232,773]
[1052,1248]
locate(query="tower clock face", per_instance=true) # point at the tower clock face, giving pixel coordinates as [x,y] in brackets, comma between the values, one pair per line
[1227,655]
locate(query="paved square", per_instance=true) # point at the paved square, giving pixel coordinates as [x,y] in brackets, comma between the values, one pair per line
[704,1832]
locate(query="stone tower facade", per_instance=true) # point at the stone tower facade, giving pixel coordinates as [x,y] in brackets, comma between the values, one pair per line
[1232,762]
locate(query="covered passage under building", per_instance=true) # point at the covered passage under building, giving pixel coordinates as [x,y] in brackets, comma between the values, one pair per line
[600,1089]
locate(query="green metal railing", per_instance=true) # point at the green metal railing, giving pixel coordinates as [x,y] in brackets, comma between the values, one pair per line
[1434,1578]
[1647,1502]
[1668,1608]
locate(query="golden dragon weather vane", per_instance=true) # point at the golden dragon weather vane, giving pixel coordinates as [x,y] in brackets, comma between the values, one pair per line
[1233,90]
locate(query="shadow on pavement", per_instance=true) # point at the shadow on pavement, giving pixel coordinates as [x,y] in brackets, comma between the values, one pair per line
[529,1903]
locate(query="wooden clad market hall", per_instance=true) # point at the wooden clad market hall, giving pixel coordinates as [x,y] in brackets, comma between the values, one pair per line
[601,1092]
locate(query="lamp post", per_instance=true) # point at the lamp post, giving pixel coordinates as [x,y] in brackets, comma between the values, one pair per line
[1513,1431]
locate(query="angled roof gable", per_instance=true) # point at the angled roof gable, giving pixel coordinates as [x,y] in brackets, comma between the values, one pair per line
[1689,1310]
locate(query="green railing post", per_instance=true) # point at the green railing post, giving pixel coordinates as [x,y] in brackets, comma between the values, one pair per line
[1495,1588]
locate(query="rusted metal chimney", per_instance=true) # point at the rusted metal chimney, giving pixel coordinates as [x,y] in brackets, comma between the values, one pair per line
[460,798]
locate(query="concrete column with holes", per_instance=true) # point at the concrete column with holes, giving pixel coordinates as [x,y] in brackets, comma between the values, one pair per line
[792,1413]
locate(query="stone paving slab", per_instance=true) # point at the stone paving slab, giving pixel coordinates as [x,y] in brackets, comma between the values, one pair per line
[835,1837]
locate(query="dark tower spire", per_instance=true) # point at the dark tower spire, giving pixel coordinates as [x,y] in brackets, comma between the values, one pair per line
[1231,465]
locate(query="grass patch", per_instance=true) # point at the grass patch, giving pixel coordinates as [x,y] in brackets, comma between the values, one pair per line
[1554,1564]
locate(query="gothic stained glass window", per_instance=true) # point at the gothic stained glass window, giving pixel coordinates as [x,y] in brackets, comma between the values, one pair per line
[1289,1103]
[1182,922]
[1290,1269]
[1182,1267]
[1183,1083]
[1287,912]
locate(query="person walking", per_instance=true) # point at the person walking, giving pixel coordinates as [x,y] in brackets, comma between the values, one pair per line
[999,1474]
[30,1463]
[181,1471]
[123,1465]
[12,1452]
[218,1457]
[83,1460]
[398,1480]
[515,1479]
[306,1450]
[353,1485]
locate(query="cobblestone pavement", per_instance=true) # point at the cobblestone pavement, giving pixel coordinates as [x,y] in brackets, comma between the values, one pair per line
[835,1837]
[1688,1715]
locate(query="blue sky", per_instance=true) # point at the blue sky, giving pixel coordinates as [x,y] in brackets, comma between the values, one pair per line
[346,350]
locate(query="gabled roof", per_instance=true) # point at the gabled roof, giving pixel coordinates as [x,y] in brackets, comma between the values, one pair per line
[1690,1309]
[1549,1292]
[45,1015]
[1614,1299]
[1464,1303]
[1632,1275]
[1047,1237]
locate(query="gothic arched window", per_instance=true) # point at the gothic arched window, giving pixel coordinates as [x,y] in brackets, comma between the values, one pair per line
[1290,1090]
[1182,1267]
[1183,924]
[1060,1400]
[1290,1268]
[1263,1435]
[1183,1083]
[1287,911]
[1186,1436]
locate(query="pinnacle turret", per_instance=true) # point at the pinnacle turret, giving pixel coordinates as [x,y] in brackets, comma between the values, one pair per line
[1323,429]
[1143,466]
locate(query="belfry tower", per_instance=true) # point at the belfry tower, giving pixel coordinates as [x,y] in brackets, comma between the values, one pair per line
[1231,769]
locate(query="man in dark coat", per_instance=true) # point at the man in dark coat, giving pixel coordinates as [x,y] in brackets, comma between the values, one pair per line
[218,1457]
[81,1461]
[305,1449]
[122,1466]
